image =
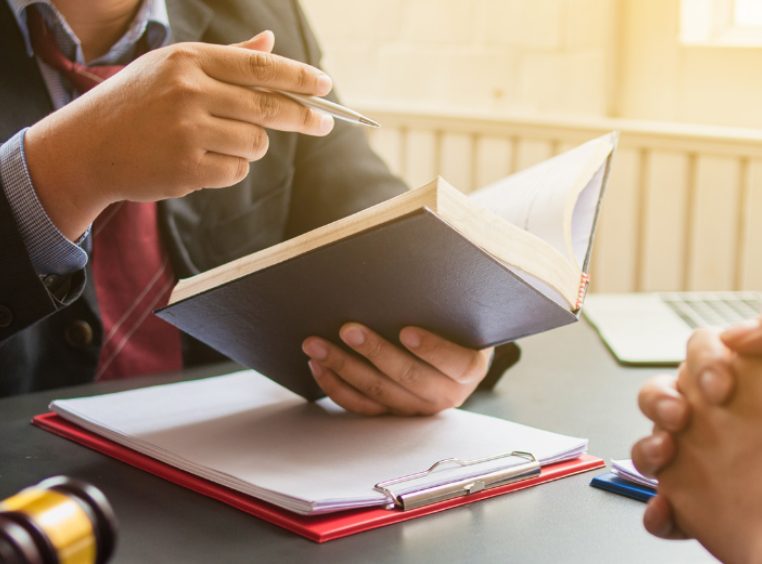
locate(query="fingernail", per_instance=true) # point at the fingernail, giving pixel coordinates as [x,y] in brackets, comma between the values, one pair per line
[315,368]
[652,448]
[315,349]
[324,84]
[353,336]
[410,338]
[325,122]
[740,330]
[712,385]
[670,413]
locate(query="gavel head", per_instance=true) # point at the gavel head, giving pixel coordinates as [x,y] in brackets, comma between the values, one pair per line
[59,520]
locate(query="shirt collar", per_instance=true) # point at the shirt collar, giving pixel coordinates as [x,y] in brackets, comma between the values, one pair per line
[151,19]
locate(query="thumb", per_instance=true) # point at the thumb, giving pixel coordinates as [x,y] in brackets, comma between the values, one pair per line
[263,41]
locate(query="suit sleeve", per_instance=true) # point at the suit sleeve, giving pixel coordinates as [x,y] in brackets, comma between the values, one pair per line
[25,296]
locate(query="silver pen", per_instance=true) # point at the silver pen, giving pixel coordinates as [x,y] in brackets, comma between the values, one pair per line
[336,110]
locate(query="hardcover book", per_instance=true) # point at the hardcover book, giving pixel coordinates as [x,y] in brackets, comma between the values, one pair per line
[509,260]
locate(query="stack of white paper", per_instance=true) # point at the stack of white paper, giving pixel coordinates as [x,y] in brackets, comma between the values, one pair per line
[626,470]
[247,433]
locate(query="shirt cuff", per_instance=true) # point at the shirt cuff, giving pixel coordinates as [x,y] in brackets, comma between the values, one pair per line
[49,250]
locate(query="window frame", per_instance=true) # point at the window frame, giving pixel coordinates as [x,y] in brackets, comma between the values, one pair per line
[712,23]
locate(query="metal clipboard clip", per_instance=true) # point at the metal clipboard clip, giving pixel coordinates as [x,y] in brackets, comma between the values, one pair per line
[462,478]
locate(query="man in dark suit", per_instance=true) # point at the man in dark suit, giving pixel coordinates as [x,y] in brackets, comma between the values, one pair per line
[181,118]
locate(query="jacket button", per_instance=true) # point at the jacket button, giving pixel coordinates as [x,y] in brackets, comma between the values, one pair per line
[6,317]
[79,334]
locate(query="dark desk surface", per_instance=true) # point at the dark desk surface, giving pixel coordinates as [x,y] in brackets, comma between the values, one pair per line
[565,382]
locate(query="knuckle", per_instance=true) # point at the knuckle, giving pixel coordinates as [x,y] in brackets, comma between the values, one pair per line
[182,92]
[410,374]
[267,106]
[181,88]
[309,119]
[187,134]
[303,78]
[262,66]
[336,362]
[188,171]
[375,349]
[375,390]
[180,54]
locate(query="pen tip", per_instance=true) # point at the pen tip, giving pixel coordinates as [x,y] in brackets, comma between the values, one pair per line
[369,122]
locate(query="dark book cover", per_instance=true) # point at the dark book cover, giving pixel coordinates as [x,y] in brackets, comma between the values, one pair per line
[415,270]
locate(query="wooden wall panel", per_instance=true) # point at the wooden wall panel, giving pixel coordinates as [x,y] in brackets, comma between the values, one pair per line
[615,247]
[750,276]
[664,220]
[493,159]
[457,162]
[388,144]
[714,225]
[420,157]
[684,203]
[532,151]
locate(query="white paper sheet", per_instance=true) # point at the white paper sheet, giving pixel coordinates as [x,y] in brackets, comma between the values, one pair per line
[537,199]
[246,432]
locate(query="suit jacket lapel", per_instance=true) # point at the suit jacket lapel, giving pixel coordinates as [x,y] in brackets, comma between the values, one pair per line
[22,89]
[188,19]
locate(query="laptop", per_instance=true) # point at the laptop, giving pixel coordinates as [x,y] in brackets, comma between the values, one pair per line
[652,328]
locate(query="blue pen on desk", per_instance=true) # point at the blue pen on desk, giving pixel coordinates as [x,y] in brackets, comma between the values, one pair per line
[336,110]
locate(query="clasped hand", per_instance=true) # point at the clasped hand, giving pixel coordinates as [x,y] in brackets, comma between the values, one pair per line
[706,445]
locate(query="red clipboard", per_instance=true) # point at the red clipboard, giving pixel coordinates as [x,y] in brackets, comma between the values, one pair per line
[318,528]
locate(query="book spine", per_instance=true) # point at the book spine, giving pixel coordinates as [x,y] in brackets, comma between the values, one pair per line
[584,283]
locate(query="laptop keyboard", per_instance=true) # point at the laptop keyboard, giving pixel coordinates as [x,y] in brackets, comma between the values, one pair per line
[714,309]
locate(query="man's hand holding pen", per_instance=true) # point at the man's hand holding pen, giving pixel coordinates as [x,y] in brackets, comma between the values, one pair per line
[178,119]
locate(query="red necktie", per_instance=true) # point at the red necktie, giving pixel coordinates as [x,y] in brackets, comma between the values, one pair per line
[131,269]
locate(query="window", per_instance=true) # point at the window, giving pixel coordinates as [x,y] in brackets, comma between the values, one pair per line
[748,13]
[721,22]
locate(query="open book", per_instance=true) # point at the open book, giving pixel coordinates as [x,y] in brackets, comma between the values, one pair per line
[251,435]
[509,260]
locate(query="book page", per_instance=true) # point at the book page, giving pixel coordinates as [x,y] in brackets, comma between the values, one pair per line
[543,199]
[248,433]
[583,216]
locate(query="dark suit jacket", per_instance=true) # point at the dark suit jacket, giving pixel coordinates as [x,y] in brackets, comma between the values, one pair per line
[50,331]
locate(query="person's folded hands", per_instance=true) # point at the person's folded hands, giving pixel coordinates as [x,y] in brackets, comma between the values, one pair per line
[709,376]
